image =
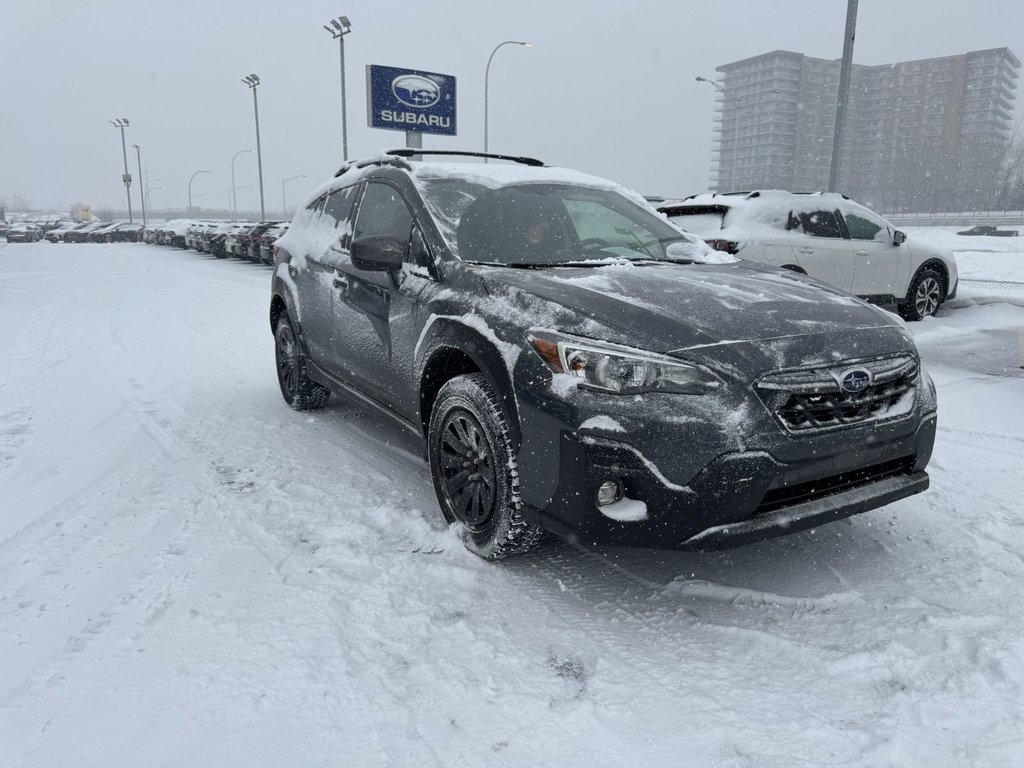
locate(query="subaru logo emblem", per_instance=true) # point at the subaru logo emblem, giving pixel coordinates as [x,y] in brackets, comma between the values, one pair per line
[416,91]
[855,381]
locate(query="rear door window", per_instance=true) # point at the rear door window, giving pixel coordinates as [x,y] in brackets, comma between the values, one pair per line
[821,224]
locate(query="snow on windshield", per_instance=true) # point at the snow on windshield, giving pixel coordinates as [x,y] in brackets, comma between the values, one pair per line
[543,216]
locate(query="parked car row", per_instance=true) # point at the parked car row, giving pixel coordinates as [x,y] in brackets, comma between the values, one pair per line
[96,232]
[223,239]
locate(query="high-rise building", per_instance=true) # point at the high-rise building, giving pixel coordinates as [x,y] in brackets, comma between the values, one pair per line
[924,135]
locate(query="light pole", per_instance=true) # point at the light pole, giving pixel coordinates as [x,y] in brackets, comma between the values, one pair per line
[190,190]
[487,76]
[234,189]
[252,81]
[234,192]
[340,27]
[845,71]
[284,200]
[148,191]
[142,195]
[122,123]
[737,103]
[735,134]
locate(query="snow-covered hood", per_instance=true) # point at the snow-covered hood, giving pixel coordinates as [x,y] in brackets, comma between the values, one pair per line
[673,308]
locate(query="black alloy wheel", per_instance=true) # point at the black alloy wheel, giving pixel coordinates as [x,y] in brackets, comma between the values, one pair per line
[299,391]
[475,470]
[467,469]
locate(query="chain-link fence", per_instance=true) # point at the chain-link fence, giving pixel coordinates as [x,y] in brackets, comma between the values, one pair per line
[1004,284]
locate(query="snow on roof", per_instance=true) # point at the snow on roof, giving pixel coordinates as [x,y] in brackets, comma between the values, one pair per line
[493,175]
[767,208]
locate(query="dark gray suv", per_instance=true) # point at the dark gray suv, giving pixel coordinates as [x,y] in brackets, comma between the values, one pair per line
[578,365]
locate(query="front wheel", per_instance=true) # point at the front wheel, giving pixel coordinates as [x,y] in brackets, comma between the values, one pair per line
[475,471]
[924,296]
[298,390]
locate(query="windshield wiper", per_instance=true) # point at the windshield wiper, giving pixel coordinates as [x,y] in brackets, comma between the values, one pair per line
[665,260]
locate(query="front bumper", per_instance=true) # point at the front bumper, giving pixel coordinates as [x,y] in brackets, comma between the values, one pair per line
[738,498]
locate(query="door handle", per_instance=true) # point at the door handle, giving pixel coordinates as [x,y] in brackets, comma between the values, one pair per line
[805,249]
[341,282]
[863,253]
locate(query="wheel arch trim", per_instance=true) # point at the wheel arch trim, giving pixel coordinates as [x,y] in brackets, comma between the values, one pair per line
[469,335]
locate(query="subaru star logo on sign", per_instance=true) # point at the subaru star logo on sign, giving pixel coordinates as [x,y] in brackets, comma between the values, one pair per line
[410,100]
[856,380]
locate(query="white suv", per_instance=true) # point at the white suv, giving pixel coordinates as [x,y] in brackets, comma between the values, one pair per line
[825,235]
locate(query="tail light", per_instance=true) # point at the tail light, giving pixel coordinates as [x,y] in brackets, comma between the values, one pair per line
[729,246]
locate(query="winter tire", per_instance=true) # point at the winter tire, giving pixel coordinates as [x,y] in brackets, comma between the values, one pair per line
[298,390]
[927,290]
[475,471]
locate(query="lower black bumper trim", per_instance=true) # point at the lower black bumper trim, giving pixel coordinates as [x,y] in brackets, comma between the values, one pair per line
[809,514]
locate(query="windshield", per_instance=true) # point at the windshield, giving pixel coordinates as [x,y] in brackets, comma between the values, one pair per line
[543,224]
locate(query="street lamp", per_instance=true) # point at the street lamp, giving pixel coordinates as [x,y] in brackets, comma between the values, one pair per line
[735,134]
[284,200]
[252,81]
[338,28]
[190,190]
[487,76]
[736,102]
[122,123]
[148,191]
[142,196]
[234,189]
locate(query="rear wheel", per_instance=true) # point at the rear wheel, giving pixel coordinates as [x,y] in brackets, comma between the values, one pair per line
[927,290]
[298,390]
[475,471]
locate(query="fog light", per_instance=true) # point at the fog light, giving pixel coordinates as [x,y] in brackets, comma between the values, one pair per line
[609,492]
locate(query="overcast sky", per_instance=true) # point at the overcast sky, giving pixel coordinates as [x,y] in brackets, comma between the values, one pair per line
[608,87]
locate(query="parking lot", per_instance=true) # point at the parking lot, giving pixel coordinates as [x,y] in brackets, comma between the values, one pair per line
[192,570]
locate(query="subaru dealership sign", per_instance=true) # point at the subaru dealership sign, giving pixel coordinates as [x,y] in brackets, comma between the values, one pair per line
[410,100]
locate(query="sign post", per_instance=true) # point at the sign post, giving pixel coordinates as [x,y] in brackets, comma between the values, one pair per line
[410,100]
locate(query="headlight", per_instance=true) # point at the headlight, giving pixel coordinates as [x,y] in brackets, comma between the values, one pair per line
[618,370]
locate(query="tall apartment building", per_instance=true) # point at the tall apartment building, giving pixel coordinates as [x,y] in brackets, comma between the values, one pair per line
[921,136]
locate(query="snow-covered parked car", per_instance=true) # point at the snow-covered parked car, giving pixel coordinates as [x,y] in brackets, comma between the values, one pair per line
[827,236]
[57,235]
[23,232]
[264,244]
[81,234]
[172,232]
[578,365]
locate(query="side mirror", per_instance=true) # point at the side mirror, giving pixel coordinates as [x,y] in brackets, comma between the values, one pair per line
[378,253]
[898,237]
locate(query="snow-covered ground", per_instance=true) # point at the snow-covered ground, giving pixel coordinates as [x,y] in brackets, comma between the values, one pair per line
[191,574]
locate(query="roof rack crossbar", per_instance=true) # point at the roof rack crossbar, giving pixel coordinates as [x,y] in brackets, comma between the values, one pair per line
[412,152]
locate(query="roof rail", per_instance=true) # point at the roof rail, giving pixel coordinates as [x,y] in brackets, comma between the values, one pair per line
[413,152]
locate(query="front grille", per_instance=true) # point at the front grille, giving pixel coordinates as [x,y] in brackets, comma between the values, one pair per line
[816,489]
[814,399]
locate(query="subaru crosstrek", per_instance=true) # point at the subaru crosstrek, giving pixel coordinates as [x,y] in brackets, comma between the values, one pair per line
[577,364]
